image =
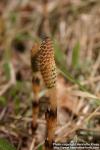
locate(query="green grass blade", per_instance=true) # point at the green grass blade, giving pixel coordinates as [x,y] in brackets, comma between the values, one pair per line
[5,145]
[40,148]
[7,70]
[75,55]
[3,101]
[60,58]
[67,75]
[59,55]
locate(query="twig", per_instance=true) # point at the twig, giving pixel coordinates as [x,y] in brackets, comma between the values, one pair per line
[3,113]
[92,114]
[32,145]
[77,126]
[36,148]
[5,88]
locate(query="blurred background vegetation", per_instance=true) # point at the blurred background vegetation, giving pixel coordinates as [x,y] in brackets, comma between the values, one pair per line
[74,27]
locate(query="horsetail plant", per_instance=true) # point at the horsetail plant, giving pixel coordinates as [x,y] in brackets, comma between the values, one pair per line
[48,71]
[46,65]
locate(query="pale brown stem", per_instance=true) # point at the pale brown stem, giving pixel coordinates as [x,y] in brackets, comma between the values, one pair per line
[35,109]
[51,119]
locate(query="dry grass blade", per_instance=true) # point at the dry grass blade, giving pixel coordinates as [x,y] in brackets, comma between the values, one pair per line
[84,94]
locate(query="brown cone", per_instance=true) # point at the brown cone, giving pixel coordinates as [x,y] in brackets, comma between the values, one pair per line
[47,63]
